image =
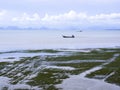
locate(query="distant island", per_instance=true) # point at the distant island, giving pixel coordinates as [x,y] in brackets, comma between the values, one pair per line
[36,28]
[23,28]
[113,29]
[55,28]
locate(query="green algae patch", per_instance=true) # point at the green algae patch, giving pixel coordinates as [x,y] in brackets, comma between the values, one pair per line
[32,69]
[110,72]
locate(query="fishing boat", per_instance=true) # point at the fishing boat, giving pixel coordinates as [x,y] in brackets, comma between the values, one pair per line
[72,36]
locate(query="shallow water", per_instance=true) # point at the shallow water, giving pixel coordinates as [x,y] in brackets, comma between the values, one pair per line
[75,82]
[36,39]
[5,57]
[80,82]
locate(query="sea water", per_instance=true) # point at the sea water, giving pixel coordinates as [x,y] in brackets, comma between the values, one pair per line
[52,39]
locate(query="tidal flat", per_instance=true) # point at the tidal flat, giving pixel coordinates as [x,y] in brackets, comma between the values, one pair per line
[49,69]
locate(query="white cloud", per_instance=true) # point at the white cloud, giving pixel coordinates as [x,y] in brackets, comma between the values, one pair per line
[75,18]
[2,13]
[111,18]
[26,20]
[71,18]
[26,17]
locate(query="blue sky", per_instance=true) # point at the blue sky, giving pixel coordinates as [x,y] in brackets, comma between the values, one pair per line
[60,13]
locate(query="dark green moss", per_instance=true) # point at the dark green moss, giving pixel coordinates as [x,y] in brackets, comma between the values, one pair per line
[42,50]
[27,73]
[113,67]
[48,78]
[115,78]
[10,58]
[5,88]
[103,71]
[103,56]
[3,64]
[26,60]
[80,67]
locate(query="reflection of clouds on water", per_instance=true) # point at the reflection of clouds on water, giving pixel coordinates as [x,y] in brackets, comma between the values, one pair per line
[35,39]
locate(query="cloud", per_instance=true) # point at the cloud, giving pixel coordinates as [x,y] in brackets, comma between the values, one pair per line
[111,18]
[27,20]
[70,16]
[69,19]
[2,13]
[73,18]
[26,17]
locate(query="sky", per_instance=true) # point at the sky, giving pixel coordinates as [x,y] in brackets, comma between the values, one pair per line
[60,13]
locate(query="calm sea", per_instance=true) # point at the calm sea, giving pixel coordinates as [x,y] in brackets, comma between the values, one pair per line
[52,39]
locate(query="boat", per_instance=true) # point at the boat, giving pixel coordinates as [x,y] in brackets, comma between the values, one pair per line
[68,36]
[80,31]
